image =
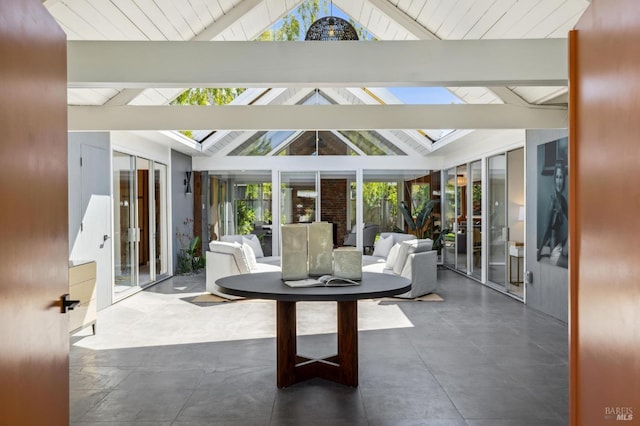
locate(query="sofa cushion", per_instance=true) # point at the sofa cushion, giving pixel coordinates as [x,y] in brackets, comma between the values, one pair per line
[254,243]
[233,249]
[383,246]
[406,248]
[392,256]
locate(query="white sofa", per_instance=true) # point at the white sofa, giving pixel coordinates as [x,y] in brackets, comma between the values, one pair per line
[404,255]
[236,254]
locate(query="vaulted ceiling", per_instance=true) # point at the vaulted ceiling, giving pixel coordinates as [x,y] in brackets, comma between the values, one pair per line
[501,58]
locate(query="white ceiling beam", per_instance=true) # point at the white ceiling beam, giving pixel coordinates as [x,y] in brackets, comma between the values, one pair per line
[508,96]
[456,63]
[326,163]
[315,117]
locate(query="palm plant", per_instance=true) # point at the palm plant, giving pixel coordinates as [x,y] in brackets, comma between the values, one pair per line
[421,223]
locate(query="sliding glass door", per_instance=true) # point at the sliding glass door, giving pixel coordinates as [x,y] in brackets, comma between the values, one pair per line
[461,218]
[476,214]
[140,223]
[450,227]
[124,223]
[497,242]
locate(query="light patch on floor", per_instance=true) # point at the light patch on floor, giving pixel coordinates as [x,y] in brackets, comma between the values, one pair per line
[158,319]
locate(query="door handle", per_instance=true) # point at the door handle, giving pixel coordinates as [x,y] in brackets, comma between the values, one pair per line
[104,240]
[67,304]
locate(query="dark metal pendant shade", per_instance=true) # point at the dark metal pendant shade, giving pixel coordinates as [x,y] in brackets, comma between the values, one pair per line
[331,28]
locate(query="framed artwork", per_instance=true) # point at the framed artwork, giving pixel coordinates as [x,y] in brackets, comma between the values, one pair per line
[552,209]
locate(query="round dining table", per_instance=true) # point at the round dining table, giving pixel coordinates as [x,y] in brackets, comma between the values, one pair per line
[293,368]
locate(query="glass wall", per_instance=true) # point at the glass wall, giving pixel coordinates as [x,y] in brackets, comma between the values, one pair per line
[298,197]
[379,204]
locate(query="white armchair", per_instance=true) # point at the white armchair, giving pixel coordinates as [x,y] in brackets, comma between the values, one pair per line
[232,258]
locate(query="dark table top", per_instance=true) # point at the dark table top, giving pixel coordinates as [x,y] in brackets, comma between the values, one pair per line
[269,285]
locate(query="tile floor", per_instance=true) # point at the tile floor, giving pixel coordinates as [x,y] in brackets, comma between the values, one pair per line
[478,358]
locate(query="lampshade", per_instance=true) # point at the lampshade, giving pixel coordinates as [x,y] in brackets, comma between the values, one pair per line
[331,28]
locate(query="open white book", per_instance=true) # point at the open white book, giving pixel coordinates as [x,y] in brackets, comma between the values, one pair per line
[323,281]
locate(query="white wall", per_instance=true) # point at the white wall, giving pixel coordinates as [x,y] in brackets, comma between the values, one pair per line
[90,207]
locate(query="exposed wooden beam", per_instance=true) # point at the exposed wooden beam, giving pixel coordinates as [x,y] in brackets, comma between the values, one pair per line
[315,117]
[539,62]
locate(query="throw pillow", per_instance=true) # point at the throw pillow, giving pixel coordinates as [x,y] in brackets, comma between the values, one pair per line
[403,253]
[408,247]
[254,243]
[382,247]
[393,255]
[250,257]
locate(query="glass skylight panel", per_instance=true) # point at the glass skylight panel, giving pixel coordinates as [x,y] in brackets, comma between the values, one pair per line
[262,143]
[371,142]
[312,143]
[419,96]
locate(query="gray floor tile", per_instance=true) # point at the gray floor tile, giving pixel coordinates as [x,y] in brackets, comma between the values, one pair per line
[318,400]
[228,405]
[97,377]
[135,405]
[418,422]
[149,378]
[499,402]
[408,403]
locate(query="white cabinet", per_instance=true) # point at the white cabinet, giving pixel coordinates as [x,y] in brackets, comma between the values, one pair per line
[82,287]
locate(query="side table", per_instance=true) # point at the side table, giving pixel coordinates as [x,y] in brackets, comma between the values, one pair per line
[516,252]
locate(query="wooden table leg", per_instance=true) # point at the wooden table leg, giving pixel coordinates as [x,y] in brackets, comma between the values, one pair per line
[293,368]
[286,343]
[348,342]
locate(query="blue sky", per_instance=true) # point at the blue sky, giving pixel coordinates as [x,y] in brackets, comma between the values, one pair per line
[424,95]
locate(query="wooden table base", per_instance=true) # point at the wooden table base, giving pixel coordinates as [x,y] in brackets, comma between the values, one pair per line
[341,368]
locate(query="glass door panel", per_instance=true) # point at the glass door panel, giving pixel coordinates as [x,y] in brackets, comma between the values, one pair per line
[336,189]
[143,207]
[217,212]
[125,229]
[497,226]
[161,240]
[476,209]
[298,202]
[449,219]
[461,218]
